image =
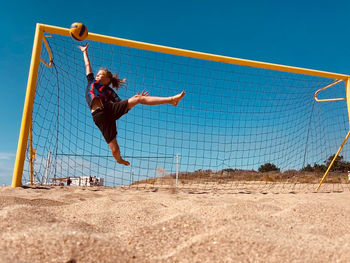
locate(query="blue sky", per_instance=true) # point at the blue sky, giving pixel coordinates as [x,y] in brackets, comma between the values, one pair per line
[311,34]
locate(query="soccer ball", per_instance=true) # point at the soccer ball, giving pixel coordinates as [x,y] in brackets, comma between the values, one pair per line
[78,31]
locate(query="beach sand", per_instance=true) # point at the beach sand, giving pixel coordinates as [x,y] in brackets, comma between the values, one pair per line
[73,224]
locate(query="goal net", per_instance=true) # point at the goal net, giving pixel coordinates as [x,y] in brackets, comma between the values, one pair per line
[237,126]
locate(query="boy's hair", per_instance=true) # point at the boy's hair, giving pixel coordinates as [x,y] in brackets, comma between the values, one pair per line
[116,82]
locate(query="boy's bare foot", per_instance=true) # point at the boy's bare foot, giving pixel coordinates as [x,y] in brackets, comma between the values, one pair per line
[176,99]
[126,163]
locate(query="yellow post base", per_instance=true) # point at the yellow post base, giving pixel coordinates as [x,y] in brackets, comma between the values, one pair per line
[335,157]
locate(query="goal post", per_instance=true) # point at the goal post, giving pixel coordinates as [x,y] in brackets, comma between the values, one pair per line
[40,38]
[28,107]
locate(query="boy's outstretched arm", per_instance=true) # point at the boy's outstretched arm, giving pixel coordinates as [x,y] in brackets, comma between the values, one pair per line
[84,49]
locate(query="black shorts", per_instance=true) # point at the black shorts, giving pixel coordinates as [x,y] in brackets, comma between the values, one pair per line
[105,118]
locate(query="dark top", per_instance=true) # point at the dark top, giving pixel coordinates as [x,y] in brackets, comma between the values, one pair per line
[95,89]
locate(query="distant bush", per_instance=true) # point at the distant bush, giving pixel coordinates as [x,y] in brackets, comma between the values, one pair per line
[268,167]
[320,168]
[339,165]
[307,168]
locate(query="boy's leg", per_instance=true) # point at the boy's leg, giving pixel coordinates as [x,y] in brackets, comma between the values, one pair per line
[150,100]
[116,152]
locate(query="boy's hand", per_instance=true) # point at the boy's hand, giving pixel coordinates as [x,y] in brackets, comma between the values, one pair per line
[84,48]
[143,93]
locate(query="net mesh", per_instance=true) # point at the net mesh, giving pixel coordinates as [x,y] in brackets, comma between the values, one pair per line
[233,121]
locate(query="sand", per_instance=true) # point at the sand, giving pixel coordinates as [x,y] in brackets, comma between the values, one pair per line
[71,224]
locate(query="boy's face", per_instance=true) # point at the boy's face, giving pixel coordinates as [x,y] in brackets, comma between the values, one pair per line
[102,78]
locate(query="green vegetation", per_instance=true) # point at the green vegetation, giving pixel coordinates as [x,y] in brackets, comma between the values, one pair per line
[268,167]
[267,172]
[339,165]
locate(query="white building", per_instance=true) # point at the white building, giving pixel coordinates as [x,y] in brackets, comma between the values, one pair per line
[86,181]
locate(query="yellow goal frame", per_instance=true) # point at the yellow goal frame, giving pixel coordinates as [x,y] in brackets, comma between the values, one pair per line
[35,61]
